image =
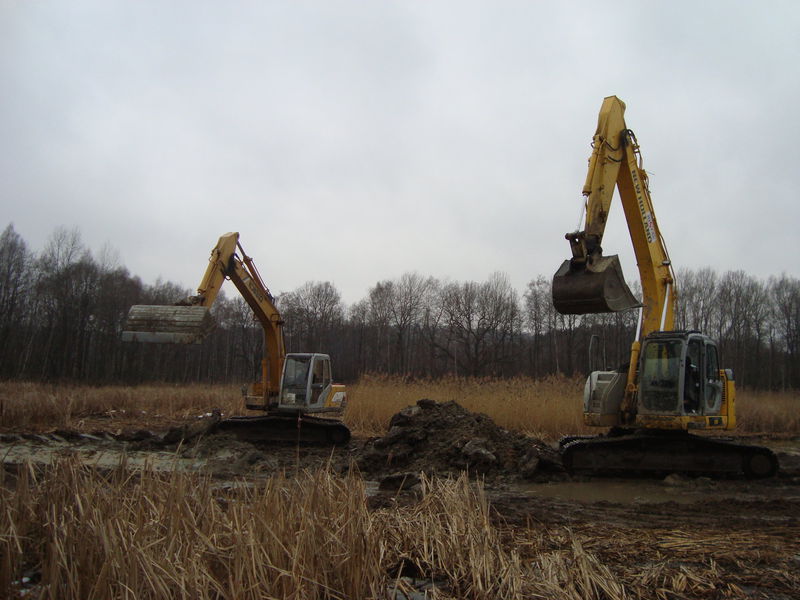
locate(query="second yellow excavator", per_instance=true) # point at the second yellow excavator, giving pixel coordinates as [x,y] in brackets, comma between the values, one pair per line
[674,382]
[294,388]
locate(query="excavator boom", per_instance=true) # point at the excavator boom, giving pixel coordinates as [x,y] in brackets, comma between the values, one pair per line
[592,283]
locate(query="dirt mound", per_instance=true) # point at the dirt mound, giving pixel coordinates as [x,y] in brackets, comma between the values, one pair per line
[445,438]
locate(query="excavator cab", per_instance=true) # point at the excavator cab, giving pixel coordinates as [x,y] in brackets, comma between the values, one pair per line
[594,286]
[306,381]
[679,375]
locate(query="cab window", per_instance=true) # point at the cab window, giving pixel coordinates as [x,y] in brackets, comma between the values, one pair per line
[713,383]
[319,371]
[326,373]
[296,372]
[712,363]
[660,375]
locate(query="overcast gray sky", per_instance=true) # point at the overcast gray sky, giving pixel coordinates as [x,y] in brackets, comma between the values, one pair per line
[353,141]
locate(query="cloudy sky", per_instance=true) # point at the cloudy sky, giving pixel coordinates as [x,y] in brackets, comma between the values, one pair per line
[353,141]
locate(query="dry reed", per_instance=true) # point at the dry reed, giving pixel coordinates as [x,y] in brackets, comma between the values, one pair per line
[771,412]
[178,535]
[37,406]
[147,535]
[547,408]
[78,533]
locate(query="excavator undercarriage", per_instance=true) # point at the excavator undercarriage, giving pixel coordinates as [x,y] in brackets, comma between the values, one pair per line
[286,427]
[271,427]
[653,452]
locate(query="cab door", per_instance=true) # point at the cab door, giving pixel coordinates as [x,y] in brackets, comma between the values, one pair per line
[693,378]
[320,381]
[712,383]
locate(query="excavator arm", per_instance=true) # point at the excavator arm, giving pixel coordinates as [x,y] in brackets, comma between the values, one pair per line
[189,320]
[590,282]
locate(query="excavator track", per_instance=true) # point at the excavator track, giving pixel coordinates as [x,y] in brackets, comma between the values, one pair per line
[658,452]
[286,427]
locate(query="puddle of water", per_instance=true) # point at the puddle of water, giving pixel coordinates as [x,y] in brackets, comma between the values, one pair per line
[791,446]
[98,457]
[621,492]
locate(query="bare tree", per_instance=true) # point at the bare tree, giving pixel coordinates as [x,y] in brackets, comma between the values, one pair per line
[739,320]
[61,313]
[358,321]
[539,318]
[311,312]
[481,319]
[14,286]
[379,316]
[697,299]
[785,293]
[66,280]
[401,306]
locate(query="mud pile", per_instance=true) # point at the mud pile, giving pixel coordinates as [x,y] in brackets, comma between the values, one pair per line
[446,439]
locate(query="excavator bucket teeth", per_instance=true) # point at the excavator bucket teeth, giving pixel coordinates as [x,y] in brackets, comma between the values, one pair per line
[596,288]
[167,324]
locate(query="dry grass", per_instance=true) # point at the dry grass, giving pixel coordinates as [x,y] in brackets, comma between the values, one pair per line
[771,412]
[600,560]
[87,535]
[547,408]
[77,533]
[151,535]
[38,406]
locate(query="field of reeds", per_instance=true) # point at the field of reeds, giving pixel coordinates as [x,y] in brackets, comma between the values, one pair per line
[68,531]
[546,408]
[71,532]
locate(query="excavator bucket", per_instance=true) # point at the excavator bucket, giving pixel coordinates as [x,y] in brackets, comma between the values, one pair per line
[168,324]
[596,288]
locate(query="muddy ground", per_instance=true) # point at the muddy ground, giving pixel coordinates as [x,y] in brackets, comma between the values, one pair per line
[749,530]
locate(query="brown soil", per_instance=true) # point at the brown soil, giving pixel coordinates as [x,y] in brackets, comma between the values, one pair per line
[446,439]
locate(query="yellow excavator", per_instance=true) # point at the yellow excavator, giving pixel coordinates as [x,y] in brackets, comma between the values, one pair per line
[293,389]
[674,382]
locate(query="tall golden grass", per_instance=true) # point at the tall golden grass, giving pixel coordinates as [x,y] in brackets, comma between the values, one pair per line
[150,535]
[76,533]
[768,412]
[38,406]
[547,408]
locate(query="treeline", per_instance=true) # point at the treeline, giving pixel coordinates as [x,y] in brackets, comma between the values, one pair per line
[62,310]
